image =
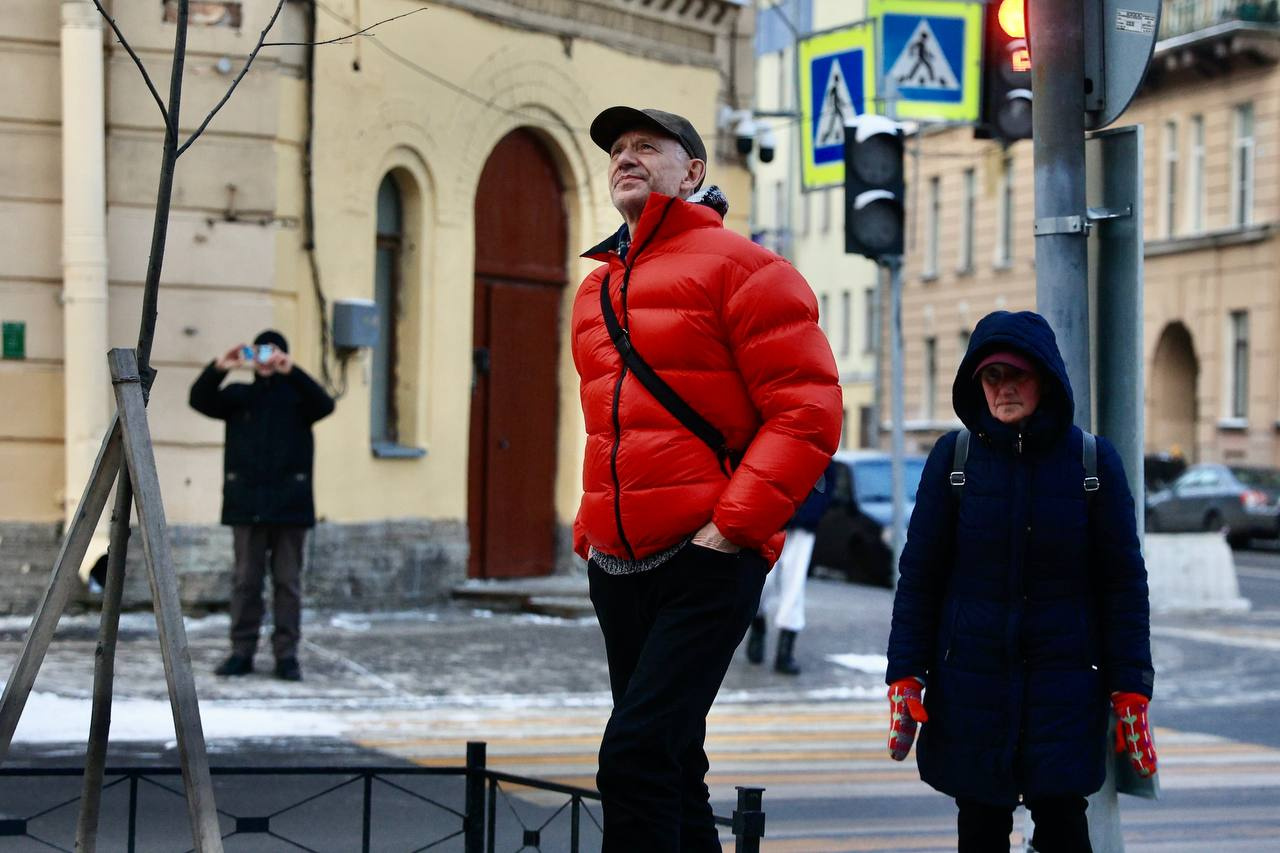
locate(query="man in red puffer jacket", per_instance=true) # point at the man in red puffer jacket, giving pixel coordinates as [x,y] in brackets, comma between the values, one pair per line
[678,536]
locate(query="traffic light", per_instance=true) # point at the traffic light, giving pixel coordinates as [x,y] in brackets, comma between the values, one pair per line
[873,187]
[1006,73]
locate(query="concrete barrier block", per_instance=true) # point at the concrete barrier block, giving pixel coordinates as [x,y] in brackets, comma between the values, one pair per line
[1192,571]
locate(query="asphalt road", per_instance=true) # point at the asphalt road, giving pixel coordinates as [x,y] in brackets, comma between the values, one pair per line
[410,689]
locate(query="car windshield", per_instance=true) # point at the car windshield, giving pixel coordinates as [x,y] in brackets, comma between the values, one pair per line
[873,479]
[1258,478]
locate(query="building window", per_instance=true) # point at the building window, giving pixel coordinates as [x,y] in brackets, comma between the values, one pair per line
[826,210]
[934,224]
[779,218]
[823,305]
[1195,177]
[930,376]
[1239,383]
[866,426]
[969,213]
[388,266]
[806,210]
[1004,238]
[1242,167]
[962,344]
[869,320]
[846,321]
[844,428]
[1169,172]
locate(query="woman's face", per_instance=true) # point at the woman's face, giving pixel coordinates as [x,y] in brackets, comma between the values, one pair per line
[1012,393]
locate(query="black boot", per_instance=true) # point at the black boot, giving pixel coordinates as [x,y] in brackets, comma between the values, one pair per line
[785,662]
[755,641]
[235,665]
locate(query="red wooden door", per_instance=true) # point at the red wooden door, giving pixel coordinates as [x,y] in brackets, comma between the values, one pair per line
[519,286]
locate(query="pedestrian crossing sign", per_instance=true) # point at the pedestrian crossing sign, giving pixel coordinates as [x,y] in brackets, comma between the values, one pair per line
[928,58]
[837,82]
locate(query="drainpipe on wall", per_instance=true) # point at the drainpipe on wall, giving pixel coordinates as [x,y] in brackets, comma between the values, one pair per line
[86,388]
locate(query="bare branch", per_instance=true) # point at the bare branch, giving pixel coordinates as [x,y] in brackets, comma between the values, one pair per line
[236,82]
[136,60]
[342,38]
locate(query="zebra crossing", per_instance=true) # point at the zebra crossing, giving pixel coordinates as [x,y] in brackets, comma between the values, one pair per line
[830,786]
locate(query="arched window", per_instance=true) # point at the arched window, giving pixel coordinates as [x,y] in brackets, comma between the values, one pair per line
[385,415]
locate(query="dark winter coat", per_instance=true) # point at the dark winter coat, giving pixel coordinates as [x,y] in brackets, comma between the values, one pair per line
[269,451]
[1023,605]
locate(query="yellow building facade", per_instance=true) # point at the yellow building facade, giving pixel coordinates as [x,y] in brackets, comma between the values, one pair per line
[351,171]
[1211,305]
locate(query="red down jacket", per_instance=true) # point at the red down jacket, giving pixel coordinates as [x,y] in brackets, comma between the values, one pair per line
[732,328]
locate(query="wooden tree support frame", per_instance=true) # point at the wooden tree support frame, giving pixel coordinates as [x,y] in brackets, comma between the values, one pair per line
[128,441]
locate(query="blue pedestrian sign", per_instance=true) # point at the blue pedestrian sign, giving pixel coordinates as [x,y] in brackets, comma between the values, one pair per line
[837,83]
[929,58]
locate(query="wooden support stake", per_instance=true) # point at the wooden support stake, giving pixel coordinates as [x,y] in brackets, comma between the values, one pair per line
[140,457]
[62,583]
[104,667]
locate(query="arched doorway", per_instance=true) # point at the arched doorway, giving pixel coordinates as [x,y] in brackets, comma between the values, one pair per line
[1173,411]
[521,239]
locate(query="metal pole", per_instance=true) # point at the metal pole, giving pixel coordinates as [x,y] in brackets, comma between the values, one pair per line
[748,820]
[1056,32]
[894,263]
[473,823]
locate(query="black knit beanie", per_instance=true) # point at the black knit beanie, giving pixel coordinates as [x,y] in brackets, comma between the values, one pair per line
[271,336]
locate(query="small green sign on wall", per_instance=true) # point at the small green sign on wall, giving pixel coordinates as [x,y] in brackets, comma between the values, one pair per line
[15,339]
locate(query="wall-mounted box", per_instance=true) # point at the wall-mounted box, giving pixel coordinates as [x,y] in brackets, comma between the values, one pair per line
[355,323]
[15,339]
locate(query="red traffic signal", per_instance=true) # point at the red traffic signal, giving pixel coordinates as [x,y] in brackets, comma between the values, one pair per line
[1012,17]
[1006,74]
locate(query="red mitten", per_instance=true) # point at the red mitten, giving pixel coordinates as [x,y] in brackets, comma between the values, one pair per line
[906,708]
[1133,732]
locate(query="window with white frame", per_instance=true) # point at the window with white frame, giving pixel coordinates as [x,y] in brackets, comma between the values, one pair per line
[846,321]
[385,409]
[779,217]
[1169,174]
[1242,167]
[1004,238]
[823,306]
[934,225]
[826,209]
[806,209]
[930,377]
[962,344]
[970,214]
[1239,361]
[1195,176]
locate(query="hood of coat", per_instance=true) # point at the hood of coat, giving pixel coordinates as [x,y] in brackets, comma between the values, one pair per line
[1030,335]
[705,208]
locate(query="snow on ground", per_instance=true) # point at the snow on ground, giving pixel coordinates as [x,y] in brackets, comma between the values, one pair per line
[873,664]
[48,718]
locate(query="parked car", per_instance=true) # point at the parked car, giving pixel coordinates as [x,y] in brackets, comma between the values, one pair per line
[853,538]
[1243,502]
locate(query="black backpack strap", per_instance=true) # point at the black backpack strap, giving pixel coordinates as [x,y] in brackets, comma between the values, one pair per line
[958,459]
[661,391]
[1090,451]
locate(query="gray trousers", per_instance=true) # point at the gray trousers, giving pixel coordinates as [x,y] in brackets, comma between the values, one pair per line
[254,545]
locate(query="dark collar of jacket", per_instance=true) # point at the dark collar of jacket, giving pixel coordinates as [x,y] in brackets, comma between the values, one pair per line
[703,210]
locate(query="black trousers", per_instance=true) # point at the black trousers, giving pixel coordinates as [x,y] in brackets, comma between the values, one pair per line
[669,634]
[255,544]
[1061,826]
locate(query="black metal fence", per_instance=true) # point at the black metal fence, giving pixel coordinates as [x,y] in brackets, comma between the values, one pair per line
[405,808]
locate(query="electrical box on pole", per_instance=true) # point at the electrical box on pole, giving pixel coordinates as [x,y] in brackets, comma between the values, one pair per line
[873,187]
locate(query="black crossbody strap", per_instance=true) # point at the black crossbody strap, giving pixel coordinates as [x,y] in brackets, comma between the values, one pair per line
[958,458]
[661,391]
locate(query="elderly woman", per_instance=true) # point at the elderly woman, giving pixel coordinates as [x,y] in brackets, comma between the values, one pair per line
[1021,614]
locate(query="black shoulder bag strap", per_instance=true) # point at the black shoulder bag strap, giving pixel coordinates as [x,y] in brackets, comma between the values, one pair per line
[661,391]
[958,459]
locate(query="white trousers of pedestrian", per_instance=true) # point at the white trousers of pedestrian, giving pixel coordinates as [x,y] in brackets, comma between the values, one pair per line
[785,584]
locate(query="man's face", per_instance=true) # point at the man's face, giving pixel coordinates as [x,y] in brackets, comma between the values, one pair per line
[1012,393]
[643,162]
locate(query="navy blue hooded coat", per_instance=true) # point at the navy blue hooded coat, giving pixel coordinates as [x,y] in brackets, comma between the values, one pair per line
[1022,604]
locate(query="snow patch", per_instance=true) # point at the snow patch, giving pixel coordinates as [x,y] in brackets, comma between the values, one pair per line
[874,664]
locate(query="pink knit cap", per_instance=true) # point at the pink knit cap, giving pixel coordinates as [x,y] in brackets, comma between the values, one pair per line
[1008,357]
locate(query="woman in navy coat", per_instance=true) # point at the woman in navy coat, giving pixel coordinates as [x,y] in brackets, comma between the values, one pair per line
[1022,605]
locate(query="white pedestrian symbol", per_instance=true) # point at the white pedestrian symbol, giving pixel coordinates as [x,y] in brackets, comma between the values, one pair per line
[837,108]
[922,64]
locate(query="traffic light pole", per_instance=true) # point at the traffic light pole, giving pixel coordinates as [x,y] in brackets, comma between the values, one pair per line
[1056,31]
[1057,40]
[894,265]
